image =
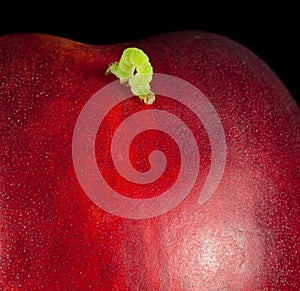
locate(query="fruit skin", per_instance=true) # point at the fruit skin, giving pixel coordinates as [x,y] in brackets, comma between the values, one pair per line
[53,237]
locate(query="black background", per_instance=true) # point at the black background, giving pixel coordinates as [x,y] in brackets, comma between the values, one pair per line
[270,30]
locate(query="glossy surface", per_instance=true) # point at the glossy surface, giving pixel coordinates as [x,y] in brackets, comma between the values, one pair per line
[53,237]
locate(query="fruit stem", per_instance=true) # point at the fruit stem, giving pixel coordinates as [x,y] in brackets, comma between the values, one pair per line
[135,69]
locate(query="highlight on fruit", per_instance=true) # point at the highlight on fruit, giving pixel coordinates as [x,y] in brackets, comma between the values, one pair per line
[135,69]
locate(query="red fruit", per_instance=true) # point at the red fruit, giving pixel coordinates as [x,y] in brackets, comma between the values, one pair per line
[222,215]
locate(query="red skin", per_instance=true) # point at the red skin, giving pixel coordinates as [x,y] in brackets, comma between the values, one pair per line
[53,237]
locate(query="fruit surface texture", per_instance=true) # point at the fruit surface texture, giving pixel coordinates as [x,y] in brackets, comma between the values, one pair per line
[205,195]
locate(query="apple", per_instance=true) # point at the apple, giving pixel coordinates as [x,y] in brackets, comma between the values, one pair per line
[199,190]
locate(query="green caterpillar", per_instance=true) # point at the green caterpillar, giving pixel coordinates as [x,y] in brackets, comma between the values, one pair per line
[134,67]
